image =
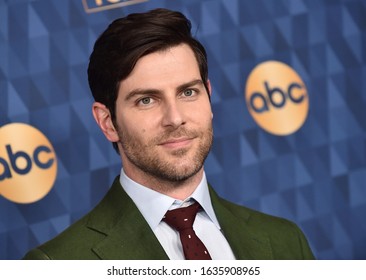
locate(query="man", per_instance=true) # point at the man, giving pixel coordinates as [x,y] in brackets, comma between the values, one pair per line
[149,79]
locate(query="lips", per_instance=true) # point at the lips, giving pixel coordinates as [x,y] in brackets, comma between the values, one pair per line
[177,142]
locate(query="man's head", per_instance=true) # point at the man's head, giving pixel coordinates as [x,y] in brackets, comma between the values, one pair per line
[149,79]
[128,39]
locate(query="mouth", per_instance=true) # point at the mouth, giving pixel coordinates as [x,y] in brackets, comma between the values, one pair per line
[175,143]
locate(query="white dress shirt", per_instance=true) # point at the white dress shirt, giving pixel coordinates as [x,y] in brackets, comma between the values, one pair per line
[153,206]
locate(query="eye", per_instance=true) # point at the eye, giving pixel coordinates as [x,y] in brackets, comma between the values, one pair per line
[145,101]
[188,92]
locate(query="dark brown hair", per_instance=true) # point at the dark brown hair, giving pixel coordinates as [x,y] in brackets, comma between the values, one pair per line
[128,39]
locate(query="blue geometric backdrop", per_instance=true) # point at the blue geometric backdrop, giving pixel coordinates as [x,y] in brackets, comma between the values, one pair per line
[315,177]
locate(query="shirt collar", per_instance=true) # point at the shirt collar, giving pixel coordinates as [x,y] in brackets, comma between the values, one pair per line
[153,205]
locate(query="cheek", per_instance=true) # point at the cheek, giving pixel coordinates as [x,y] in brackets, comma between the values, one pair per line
[135,128]
[204,114]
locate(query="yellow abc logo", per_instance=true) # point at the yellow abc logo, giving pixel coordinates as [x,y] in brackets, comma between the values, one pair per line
[28,164]
[277,98]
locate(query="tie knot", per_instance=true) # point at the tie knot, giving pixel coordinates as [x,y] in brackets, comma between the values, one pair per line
[182,218]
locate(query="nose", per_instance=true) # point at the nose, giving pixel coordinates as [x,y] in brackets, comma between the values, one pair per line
[173,115]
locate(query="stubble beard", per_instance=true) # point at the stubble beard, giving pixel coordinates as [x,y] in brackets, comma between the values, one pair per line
[174,167]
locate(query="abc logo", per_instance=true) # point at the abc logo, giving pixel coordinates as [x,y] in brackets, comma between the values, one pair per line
[276,98]
[28,163]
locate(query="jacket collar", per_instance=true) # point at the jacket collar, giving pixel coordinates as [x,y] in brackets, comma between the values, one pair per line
[113,218]
[245,242]
[116,213]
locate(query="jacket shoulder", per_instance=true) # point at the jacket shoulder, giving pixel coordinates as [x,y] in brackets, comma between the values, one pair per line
[72,243]
[77,241]
[286,239]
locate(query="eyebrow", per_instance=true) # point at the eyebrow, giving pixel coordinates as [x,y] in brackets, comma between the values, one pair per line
[139,91]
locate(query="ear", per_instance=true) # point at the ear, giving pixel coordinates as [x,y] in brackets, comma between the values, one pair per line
[209,92]
[104,120]
[209,87]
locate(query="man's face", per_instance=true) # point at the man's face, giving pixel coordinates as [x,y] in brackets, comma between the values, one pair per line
[164,117]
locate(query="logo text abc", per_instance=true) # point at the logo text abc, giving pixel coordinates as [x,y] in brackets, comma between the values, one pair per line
[28,164]
[14,157]
[276,98]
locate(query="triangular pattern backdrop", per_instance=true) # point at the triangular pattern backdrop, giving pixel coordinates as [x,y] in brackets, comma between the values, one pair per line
[316,177]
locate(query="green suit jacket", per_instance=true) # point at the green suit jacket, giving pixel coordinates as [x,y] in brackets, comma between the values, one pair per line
[115,229]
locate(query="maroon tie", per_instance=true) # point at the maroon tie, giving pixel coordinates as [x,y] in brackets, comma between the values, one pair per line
[182,220]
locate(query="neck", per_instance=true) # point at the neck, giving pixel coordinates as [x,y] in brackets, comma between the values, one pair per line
[175,189]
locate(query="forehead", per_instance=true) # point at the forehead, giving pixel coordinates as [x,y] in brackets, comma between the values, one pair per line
[173,66]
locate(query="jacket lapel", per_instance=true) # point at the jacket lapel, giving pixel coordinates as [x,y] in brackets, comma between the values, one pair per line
[246,242]
[127,234]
